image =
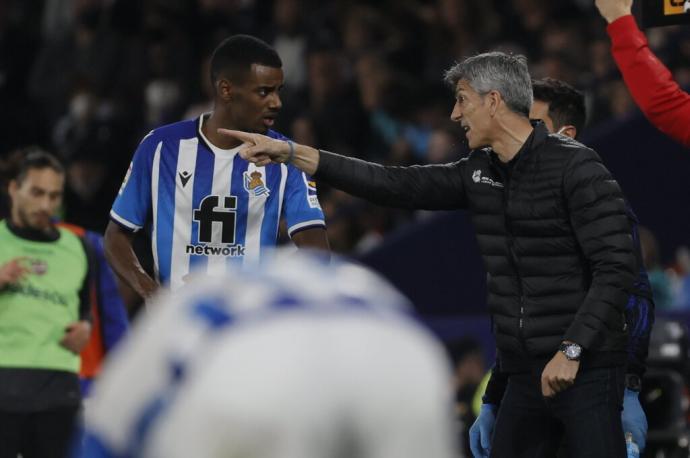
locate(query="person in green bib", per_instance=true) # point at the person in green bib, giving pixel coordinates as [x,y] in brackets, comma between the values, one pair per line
[44,315]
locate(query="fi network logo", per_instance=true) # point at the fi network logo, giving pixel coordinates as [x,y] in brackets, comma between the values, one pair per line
[210,213]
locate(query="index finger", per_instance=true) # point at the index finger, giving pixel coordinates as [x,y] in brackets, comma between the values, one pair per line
[245,137]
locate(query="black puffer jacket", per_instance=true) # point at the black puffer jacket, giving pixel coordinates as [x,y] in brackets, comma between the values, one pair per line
[552,229]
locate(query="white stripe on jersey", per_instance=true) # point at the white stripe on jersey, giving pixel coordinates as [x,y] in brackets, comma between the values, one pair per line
[222,174]
[123,221]
[155,174]
[314,222]
[255,218]
[283,180]
[182,227]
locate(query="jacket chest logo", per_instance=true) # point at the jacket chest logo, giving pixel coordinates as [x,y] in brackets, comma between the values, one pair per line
[478,178]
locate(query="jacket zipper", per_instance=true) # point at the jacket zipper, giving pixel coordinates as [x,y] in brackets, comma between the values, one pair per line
[513,259]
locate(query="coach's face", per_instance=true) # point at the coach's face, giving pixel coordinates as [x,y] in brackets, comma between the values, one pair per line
[255,102]
[473,111]
[36,198]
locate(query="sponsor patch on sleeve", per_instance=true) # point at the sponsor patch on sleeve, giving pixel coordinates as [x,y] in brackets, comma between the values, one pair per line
[312,197]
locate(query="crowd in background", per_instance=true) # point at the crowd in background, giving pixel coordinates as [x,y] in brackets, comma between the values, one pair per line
[87,79]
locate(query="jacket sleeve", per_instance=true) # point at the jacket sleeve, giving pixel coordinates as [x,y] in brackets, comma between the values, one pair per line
[597,213]
[429,187]
[649,81]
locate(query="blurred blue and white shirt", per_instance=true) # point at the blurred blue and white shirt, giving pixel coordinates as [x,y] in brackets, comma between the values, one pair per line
[301,360]
[206,207]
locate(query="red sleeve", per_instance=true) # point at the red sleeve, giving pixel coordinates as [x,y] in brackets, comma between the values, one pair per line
[650,83]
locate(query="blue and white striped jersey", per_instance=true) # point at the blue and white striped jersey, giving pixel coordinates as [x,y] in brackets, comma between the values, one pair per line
[206,207]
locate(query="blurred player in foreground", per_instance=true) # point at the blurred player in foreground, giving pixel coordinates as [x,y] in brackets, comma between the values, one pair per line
[300,360]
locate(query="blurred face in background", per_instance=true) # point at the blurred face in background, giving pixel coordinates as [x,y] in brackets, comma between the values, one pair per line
[254,103]
[36,198]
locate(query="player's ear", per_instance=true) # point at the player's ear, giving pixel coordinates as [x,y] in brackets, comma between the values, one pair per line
[568,130]
[224,89]
[12,188]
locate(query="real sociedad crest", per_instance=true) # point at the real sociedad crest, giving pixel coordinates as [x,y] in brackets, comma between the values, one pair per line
[254,183]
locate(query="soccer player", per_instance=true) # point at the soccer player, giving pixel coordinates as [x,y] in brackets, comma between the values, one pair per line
[204,206]
[562,108]
[44,315]
[302,359]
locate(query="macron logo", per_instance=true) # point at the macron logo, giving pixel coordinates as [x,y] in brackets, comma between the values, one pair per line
[184,177]
[476,176]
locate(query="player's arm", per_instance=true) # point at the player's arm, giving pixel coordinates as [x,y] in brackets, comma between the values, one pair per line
[650,83]
[314,238]
[124,262]
[433,187]
[131,211]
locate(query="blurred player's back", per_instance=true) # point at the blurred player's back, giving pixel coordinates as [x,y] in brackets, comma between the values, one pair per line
[306,360]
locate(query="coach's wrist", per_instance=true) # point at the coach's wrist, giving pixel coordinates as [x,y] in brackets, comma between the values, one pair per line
[305,158]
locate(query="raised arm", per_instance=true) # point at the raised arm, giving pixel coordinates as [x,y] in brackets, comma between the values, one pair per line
[650,83]
[433,187]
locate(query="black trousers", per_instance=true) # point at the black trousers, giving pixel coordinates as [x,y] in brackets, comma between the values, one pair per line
[587,416]
[45,434]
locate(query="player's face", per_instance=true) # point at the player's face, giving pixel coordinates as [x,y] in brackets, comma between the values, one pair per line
[540,110]
[36,199]
[471,110]
[256,102]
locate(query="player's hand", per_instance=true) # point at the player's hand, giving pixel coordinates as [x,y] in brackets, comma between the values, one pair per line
[12,272]
[76,336]
[634,419]
[558,375]
[613,9]
[259,149]
[481,431]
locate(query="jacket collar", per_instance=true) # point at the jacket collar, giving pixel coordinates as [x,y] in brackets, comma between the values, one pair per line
[534,141]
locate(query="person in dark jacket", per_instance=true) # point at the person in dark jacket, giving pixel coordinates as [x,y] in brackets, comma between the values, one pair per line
[562,108]
[553,231]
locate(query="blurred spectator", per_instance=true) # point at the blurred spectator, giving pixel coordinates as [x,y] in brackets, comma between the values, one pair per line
[681,279]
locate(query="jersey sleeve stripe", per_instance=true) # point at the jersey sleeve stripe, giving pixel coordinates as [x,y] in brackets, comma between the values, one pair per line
[123,222]
[306,225]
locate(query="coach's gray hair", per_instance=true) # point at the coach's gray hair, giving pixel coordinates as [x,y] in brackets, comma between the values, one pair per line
[505,73]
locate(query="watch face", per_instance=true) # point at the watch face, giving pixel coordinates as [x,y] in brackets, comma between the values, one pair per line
[572,351]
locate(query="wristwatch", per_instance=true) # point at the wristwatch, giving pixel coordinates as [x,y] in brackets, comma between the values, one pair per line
[571,350]
[633,382]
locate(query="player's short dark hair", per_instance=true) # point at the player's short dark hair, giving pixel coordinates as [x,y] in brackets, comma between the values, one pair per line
[566,104]
[36,159]
[234,56]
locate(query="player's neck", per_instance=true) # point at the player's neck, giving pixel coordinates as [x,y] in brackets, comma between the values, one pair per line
[210,128]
